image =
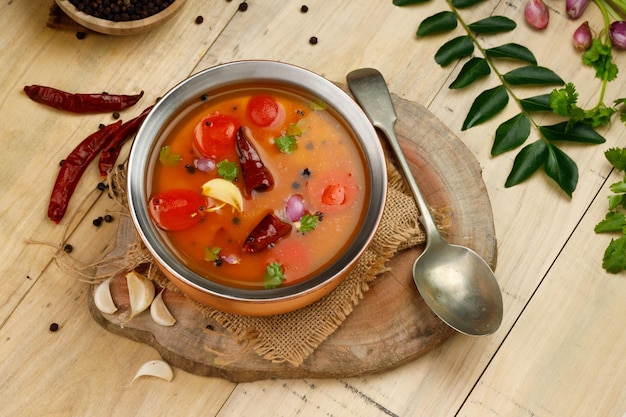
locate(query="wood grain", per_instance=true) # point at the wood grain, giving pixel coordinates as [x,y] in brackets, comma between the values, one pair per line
[391,326]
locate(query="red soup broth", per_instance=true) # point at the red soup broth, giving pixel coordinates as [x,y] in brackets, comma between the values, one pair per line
[326,169]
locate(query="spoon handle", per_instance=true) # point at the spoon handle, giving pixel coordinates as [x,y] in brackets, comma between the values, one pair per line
[370,90]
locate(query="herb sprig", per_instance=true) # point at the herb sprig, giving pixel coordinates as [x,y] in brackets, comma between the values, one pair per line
[580,125]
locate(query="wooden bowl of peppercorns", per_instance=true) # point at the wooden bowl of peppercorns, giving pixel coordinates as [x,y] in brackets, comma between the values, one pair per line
[120,17]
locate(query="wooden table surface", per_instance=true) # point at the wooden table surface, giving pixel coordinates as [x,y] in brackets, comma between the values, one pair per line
[559,352]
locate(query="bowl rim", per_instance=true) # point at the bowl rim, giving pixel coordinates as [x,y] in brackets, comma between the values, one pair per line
[254,72]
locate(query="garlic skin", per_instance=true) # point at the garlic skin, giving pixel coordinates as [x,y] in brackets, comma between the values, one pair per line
[140,292]
[102,297]
[160,313]
[537,14]
[156,368]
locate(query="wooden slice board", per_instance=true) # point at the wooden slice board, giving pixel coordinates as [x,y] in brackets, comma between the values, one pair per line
[390,326]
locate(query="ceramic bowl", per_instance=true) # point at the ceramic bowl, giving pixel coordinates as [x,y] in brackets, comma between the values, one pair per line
[109,27]
[144,154]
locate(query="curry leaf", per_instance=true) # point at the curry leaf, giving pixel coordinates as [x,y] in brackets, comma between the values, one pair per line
[487,104]
[408,2]
[437,23]
[536,103]
[579,132]
[562,169]
[511,134]
[464,4]
[527,161]
[492,24]
[473,69]
[512,51]
[454,49]
[532,75]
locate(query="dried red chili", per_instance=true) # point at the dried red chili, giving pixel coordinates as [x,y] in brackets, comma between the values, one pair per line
[255,174]
[268,231]
[73,168]
[80,103]
[112,150]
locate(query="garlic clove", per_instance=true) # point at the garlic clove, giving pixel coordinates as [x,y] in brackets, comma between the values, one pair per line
[224,191]
[140,292]
[102,297]
[156,368]
[160,313]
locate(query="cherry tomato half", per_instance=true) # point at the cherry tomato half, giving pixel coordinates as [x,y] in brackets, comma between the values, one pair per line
[215,136]
[177,209]
[332,191]
[263,110]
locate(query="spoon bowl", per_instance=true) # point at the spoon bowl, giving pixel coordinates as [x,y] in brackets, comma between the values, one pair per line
[454,281]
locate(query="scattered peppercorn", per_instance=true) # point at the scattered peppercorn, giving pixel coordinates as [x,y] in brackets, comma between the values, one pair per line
[54,327]
[108,218]
[304,8]
[295,185]
[102,186]
[243,6]
[199,20]
[204,97]
[190,168]
[98,222]
[61,162]
[210,327]
[81,35]
[313,40]
[68,248]
[306,173]
[116,115]
[218,262]
[101,126]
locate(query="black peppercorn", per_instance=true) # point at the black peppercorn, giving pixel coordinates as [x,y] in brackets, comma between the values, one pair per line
[81,35]
[98,222]
[313,40]
[68,248]
[304,8]
[116,115]
[199,20]
[243,6]
[102,186]
[54,327]
[108,218]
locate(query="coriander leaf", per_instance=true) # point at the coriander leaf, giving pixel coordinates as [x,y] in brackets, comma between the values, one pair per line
[599,57]
[299,128]
[286,143]
[166,157]
[317,104]
[437,23]
[227,170]
[618,187]
[617,158]
[598,116]
[616,200]
[274,276]
[613,222]
[563,100]
[307,223]
[212,253]
[614,259]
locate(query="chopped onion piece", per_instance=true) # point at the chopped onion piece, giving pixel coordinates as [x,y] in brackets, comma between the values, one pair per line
[204,164]
[294,208]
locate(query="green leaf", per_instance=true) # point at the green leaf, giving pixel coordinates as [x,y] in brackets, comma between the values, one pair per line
[618,187]
[615,201]
[617,158]
[532,75]
[227,170]
[527,161]
[166,157]
[307,223]
[464,4]
[274,275]
[599,57]
[579,132]
[562,169]
[437,23]
[511,134]
[485,106]
[614,221]
[212,253]
[454,49]
[492,24]
[473,69]
[408,2]
[286,143]
[614,259]
[512,51]
[536,103]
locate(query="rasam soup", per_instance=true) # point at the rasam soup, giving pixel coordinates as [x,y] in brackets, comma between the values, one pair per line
[258,188]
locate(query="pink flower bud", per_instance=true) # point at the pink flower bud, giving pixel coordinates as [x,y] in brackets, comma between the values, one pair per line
[575,8]
[582,37]
[537,14]
[617,33]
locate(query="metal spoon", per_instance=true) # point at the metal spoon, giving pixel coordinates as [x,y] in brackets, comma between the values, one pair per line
[456,283]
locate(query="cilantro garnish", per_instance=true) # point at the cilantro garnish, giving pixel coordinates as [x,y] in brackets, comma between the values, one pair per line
[227,170]
[166,157]
[299,128]
[317,104]
[212,253]
[563,102]
[286,143]
[614,259]
[307,223]
[274,276]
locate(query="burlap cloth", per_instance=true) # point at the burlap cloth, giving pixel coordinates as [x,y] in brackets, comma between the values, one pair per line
[294,336]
